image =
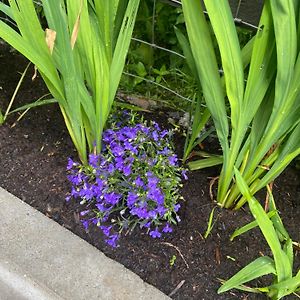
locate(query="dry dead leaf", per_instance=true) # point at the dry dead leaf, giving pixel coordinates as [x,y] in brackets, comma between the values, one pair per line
[76,27]
[50,39]
[34,74]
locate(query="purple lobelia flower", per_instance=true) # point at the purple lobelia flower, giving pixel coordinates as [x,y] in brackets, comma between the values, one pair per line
[70,164]
[132,199]
[176,207]
[133,181]
[139,181]
[184,175]
[165,151]
[106,230]
[93,160]
[116,149]
[167,228]
[112,198]
[152,181]
[127,170]
[155,233]
[173,160]
[113,240]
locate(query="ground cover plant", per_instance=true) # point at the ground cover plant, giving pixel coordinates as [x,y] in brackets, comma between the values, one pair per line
[262,135]
[134,181]
[85,43]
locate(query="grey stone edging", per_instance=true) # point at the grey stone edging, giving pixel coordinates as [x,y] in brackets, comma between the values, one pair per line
[39,259]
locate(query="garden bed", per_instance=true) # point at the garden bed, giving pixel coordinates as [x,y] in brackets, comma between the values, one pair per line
[32,166]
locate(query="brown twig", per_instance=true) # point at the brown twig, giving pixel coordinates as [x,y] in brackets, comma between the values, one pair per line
[180,284]
[268,196]
[171,245]
[211,184]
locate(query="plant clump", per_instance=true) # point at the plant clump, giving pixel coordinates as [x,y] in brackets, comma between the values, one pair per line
[134,181]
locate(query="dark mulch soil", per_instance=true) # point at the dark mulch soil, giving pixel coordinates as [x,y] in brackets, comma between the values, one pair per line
[32,166]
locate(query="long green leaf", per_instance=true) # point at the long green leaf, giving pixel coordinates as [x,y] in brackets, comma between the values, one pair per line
[284,288]
[249,226]
[282,263]
[223,25]
[34,105]
[290,150]
[205,163]
[259,267]
[207,68]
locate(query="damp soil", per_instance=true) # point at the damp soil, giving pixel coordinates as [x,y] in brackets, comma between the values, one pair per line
[33,157]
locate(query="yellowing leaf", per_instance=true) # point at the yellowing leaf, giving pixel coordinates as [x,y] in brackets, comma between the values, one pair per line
[50,39]
[76,27]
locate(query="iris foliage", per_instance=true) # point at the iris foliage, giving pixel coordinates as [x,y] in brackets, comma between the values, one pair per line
[255,101]
[80,56]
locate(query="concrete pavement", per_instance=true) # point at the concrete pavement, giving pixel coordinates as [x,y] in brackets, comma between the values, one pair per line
[41,260]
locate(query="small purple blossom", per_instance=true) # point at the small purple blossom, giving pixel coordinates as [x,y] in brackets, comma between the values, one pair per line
[75,179]
[155,136]
[101,207]
[127,170]
[139,182]
[86,192]
[112,198]
[161,211]
[93,160]
[84,212]
[165,151]
[140,212]
[132,198]
[176,207]
[167,228]
[119,163]
[116,149]
[85,224]
[106,230]
[173,160]
[112,240]
[184,175]
[155,233]
[111,168]
[152,181]
[155,194]
[70,164]
[164,133]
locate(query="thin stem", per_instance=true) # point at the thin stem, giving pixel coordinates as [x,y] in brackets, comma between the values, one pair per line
[153,22]
[158,47]
[15,92]
[160,85]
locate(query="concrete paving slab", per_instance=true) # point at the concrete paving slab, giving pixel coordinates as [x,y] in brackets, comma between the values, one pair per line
[39,259]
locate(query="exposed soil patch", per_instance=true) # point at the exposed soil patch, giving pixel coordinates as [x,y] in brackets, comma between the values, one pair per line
[32,166]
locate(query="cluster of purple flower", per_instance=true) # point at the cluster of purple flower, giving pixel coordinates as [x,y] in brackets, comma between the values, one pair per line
[135,180]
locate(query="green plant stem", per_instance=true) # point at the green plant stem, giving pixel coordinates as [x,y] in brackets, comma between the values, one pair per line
[3,117]
[228,166]
[251,180]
